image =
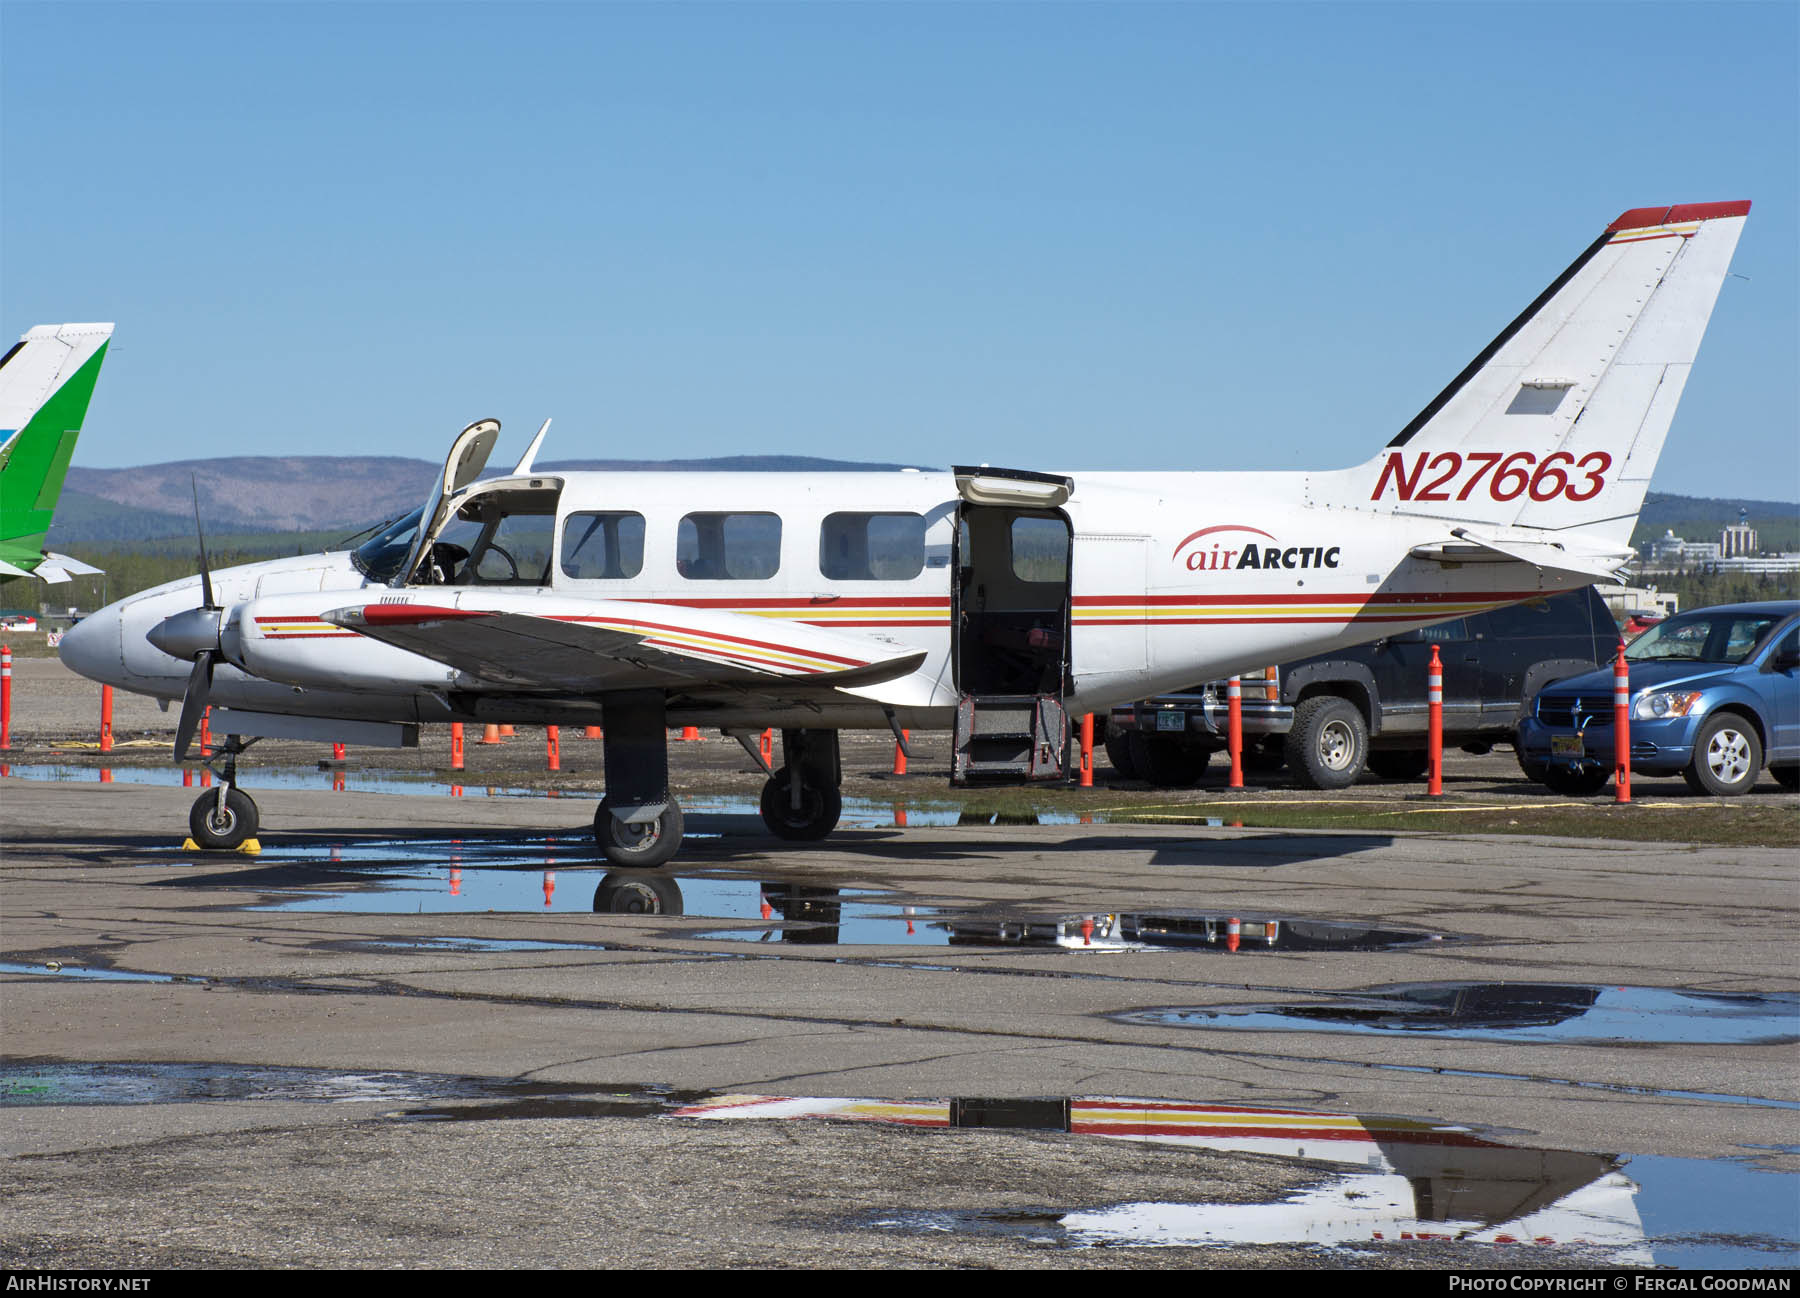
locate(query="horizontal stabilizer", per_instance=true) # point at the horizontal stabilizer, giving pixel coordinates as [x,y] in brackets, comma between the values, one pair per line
[1596,564]
[68,567]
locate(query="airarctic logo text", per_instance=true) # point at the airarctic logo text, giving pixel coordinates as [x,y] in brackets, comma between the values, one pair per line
[1234,546]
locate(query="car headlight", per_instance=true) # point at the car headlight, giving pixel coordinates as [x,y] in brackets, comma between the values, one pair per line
[1664,704]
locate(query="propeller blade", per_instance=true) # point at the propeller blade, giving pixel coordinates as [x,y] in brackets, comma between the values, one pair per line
[205,572]
[193,703]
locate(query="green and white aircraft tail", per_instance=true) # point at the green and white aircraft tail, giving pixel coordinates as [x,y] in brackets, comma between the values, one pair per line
[46,381]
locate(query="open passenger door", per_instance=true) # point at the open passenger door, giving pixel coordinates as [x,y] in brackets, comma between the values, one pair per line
[1010,625]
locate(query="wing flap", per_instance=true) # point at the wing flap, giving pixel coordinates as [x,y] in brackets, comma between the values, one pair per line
[607,645]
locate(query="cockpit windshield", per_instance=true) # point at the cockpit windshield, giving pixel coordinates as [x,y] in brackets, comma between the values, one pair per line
[381,556]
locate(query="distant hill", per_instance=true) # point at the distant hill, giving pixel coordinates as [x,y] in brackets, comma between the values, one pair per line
[1698,518]
[257,492]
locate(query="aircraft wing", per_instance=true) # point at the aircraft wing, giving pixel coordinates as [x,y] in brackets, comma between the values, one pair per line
[617,644]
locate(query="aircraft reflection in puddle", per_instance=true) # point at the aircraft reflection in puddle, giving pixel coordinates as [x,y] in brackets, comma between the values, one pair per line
[1411,1180]
[1551,1012]
[463,875]
[824,916]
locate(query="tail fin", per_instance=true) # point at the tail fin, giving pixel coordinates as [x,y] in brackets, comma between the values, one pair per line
[1558,423]
[46,381]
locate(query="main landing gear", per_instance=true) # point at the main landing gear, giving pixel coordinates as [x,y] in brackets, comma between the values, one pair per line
[801,801]
[224,817]
[638,823]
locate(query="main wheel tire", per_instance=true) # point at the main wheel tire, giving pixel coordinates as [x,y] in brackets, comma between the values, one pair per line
[1727,756]
[1788,777]
[1168,763]
[1574,781]
[1118,752]
[221,831]
[642,845]
[1400,763]
[816,816]
[637,894]
[1327,744]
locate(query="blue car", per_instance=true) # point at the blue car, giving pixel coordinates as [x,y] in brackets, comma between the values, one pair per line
[1715,696]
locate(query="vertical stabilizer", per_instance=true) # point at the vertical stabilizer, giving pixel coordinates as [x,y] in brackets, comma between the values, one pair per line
[46,381]
[1558,423]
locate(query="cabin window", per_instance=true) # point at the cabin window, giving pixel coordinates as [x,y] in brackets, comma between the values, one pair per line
[872,547]
[728,547]
[603,546]
[1040,548]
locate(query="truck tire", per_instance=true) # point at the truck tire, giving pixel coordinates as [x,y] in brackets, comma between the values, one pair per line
[1167,763]
[1328,743]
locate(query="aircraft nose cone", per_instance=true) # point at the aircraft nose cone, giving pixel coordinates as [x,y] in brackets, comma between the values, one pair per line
[91,648]
[186,634]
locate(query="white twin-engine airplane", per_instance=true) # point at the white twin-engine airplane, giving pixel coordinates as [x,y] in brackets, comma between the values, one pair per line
[997,602]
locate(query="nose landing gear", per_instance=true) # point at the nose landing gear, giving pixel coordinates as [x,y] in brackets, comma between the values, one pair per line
[222,819]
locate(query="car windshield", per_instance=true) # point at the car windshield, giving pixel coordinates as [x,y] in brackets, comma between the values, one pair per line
[379,558]
[1717,637]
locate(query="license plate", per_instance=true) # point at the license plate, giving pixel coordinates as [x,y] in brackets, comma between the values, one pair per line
[1567,746]
[1171,721]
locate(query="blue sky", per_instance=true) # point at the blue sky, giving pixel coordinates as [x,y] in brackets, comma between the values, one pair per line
[1108,236]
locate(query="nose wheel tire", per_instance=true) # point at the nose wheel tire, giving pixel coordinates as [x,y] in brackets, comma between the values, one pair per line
[1727,757]
[816,816]
[641,844]
[222,829]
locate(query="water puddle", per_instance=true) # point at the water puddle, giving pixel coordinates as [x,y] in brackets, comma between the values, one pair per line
[1397,1181]
[1548,1012]
[706,816]
[817,915]
[483,946]
[58,969]
[37,1082]
[534,874]
[270,777]
[1387,1180]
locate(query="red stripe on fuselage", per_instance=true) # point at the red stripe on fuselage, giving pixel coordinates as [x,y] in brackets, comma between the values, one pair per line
[1351,597]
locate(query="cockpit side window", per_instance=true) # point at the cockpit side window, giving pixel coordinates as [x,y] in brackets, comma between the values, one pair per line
[500,538]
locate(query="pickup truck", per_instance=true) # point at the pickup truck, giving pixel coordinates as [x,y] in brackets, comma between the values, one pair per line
[1330,717]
